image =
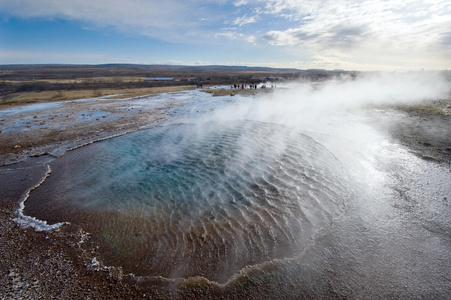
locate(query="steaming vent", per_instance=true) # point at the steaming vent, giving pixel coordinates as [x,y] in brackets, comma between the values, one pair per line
[180,201]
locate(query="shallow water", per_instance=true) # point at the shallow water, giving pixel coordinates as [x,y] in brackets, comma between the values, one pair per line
[223,199]
[334,199]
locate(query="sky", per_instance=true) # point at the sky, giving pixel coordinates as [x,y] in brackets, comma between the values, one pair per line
[387,35]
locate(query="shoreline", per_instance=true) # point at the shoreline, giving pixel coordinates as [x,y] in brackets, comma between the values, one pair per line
[26,98]
[19,230]
[64,254]
[66,123]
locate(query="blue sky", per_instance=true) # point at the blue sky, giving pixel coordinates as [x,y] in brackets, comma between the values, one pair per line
[340,34]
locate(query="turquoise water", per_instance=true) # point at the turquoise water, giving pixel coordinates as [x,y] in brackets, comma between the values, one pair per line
[237,194]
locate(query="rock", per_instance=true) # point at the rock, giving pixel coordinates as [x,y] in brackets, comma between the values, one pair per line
[430,157]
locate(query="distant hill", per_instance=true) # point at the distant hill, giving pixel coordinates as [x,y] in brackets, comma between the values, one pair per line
[152,67]
[196,68]
[34,74]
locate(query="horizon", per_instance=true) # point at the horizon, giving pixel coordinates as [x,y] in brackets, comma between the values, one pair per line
[402,35]
[231,67]
[176,65]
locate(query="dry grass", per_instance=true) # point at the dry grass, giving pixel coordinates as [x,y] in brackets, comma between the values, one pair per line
[81,80]
[50,96]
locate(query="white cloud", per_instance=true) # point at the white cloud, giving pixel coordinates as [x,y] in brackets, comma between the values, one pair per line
[241,21]
[251,39]
[341,33]
[229,35]
[391,32]
[282,38]
[169,20]
[241,2]
[237,37]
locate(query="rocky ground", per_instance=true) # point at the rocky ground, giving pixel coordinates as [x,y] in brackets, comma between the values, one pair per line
[425,129]
[61,264]
[25,132]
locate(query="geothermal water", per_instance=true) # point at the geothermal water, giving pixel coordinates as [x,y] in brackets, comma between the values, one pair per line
[305,175]
[221,199]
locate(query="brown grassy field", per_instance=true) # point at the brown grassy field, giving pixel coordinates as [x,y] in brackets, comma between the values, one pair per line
[23,84]
[49,96]
[81,80]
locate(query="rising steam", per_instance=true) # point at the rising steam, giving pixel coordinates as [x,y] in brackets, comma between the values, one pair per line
[253,182]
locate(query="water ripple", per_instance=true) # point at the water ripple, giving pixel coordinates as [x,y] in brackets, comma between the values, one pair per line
[187,200]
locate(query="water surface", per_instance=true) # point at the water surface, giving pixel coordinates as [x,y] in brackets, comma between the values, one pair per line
[189,200]
[322,196]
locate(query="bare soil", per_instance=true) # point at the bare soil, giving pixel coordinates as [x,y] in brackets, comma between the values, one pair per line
[24,98]
[425,129]
[38,132]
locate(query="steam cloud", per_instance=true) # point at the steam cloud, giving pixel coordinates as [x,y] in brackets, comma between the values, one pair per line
[334,108]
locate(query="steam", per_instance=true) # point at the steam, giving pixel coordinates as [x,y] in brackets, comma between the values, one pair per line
[303,103]
[223,190]
[337,113]
[336,107]
[309,146]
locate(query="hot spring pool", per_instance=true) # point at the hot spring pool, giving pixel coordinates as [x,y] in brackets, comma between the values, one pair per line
[187,200]
[297,191]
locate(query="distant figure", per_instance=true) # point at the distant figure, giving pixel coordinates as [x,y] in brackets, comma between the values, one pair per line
[242,86]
